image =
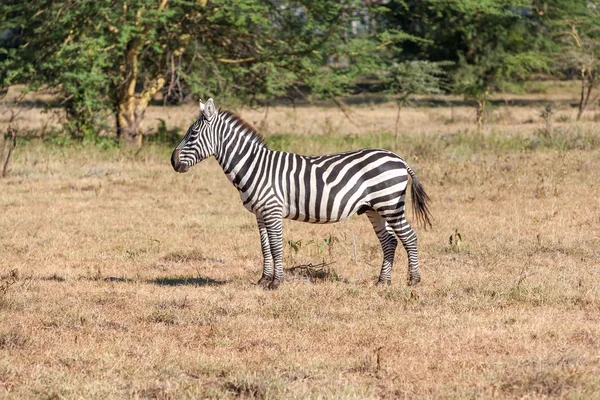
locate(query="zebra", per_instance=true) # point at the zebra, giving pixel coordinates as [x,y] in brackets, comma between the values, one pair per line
[319,189]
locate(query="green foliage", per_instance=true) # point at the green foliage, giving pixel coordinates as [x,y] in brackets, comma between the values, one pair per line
[165,136]
[108,57]
[243,50]
[416,77]
[502,48]
[482,46]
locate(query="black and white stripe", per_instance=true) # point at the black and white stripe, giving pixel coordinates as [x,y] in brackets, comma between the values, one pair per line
[322,189]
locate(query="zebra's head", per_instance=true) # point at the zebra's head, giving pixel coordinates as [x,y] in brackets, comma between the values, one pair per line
[199,141]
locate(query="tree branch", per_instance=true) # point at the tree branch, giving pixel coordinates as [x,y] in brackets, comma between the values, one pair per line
[238,61]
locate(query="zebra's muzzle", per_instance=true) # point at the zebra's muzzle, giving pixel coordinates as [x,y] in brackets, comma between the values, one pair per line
[178,165]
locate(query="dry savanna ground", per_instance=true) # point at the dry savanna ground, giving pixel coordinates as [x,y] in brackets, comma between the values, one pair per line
[120,278]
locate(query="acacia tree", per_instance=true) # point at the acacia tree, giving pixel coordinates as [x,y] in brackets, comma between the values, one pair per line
[116,55]
[504,44]
[409,78]
[574,23]
[494,45]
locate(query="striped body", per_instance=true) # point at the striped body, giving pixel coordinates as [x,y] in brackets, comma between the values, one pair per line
[318,189]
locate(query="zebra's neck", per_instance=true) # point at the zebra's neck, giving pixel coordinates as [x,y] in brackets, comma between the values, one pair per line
[239,146]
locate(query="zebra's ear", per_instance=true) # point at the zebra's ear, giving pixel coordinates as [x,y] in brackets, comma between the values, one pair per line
[201,106]
[209,109]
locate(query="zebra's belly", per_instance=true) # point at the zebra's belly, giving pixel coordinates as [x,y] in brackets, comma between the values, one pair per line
[300,214]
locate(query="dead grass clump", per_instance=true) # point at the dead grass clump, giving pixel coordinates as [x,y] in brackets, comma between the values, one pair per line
[6,282]
[156,390]
[183,257]
[247,389]
[532,295]
[370,362]
[9,279]
[180,304]
[402,295]
[163,316]
[115,326]
[13,340]
[555,383]
[323,272]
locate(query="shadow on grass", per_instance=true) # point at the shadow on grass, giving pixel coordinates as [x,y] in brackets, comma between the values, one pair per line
[182,281]
[117,279]
[53,277]
[364,94]
[167,281]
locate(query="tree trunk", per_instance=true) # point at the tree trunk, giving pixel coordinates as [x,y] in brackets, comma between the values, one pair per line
[131,106]
[586,77]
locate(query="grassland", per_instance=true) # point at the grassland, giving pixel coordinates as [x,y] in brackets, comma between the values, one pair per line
[120,278]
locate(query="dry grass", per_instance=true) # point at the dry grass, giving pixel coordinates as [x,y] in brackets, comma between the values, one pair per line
[120,278]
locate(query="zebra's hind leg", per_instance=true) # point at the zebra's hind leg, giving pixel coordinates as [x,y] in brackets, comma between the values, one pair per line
[408,237]
[267,274]
[388,245]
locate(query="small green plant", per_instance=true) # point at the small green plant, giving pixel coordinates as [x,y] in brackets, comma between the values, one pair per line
[295,245]
[455,241]
[330,242]
[318,244]
[546,115]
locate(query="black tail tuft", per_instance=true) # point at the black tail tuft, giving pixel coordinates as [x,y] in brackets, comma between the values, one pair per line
[420,201]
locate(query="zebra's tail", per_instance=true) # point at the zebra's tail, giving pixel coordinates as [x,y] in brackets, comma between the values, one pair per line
[420,200]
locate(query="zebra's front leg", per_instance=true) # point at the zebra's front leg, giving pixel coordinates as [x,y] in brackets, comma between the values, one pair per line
[274,225]
[388,242]
[267,274]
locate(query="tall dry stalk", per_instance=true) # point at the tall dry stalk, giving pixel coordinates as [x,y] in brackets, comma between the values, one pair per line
[7,145]
[8,142]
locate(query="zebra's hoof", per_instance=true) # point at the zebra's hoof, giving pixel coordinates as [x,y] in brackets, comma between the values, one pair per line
[274,284]
[414,281]
[383,282]
[264,282]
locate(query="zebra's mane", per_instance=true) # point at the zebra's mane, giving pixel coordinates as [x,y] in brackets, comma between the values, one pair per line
[247,128]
